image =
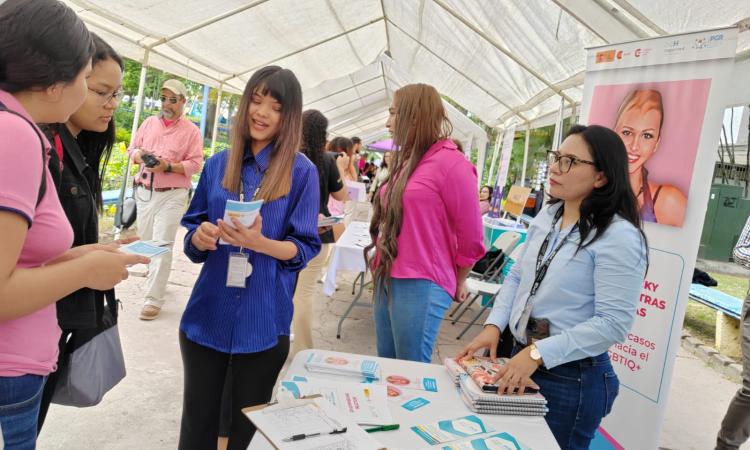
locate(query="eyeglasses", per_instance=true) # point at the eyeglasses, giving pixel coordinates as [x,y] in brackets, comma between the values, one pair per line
[172,100]
[106,98]
[565,162]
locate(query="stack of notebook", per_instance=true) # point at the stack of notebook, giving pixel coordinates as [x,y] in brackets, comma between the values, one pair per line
[345,365]
[473,378]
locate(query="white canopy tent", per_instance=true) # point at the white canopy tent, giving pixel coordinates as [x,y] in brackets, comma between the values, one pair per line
[503,60]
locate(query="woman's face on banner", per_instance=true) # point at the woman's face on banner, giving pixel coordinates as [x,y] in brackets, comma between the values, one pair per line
[640,131]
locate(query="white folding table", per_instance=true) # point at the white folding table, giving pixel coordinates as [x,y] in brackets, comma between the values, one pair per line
[444,404]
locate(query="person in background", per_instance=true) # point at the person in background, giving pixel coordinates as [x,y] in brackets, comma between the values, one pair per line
[174,144]
[735,427]
[241,323]
[85,142]
[381,176]
[426,228]
[45,59]
[359,158]
[344,150]
[314,126]
[574,290]
[485,194]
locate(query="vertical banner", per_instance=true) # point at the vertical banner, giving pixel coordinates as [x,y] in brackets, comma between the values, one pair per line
[665,97]
[502,171]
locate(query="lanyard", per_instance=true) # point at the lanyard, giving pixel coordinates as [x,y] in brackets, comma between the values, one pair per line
[257,189]
[542,266]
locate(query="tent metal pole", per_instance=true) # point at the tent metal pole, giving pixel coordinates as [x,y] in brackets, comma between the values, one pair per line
[303,49]
[387,33]
[138,109]
[455,69]
[108,29]
[359,99]
[206,23]
[342,90]
[525,155]
[216,120]
[502,49]
[495,152]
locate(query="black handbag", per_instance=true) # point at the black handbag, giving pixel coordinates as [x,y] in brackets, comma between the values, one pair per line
[129,211]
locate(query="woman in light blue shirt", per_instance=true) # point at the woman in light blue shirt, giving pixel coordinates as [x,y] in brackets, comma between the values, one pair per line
[575,289]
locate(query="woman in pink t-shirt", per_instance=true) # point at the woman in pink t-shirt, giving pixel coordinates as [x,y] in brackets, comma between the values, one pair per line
[45,57]
[426,227]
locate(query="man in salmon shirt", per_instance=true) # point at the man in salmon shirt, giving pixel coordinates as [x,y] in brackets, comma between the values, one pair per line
[169,149]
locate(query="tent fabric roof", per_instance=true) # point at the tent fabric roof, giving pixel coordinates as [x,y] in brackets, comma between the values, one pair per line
[510,60]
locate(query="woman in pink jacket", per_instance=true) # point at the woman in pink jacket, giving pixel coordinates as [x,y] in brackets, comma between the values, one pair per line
[426,227]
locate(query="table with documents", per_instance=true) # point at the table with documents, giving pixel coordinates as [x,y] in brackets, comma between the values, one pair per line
[443,404]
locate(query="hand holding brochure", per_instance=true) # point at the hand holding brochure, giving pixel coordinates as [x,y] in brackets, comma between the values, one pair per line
[144,248]
[330,221]
[245,212]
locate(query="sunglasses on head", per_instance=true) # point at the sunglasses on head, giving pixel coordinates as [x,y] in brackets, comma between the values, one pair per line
[172,100]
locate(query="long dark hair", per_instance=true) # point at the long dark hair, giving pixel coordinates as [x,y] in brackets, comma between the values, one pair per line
[314,128]
[283,86]
[616,196]
[420,121]
[97,146]
[42,42]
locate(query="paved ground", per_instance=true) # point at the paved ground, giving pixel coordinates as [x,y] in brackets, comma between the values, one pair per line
[143,411]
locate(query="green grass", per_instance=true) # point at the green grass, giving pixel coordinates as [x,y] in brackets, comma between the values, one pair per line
[730,285]
[700,319]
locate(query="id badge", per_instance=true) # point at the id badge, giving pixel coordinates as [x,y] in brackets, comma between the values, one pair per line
[537,329]
[238,269]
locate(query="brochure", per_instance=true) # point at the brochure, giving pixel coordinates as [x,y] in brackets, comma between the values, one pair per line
[451,430]
[343,364]
[500,441]
[403,381]
[245,212]
[144,248]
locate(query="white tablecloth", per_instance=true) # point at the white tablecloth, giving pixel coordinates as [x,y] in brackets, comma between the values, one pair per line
[444,404]
[347,253]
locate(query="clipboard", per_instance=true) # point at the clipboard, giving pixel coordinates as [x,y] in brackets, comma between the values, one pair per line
[308,414]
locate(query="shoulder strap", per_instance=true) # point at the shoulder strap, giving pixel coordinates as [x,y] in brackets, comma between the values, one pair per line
[43,184]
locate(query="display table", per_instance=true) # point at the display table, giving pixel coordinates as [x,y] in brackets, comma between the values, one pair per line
[493,228]
[444,404]
[348,254]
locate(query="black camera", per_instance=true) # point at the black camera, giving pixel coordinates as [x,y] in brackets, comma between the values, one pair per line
[149,160]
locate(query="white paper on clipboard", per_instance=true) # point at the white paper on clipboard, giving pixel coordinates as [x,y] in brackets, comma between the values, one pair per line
[309,415]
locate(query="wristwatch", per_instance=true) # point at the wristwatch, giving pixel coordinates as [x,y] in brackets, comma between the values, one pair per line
[535,355]
[169,167]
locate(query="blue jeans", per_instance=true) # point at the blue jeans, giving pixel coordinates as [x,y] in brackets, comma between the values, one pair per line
[408,314]
[579,395]
[20,398]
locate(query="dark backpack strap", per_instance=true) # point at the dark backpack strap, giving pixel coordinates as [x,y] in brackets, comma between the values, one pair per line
[43,184]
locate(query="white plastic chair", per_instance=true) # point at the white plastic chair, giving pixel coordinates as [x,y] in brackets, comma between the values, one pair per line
[487,283]
[514,257]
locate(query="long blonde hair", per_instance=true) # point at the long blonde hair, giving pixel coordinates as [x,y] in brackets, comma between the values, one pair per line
[420,121]
[282,85]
